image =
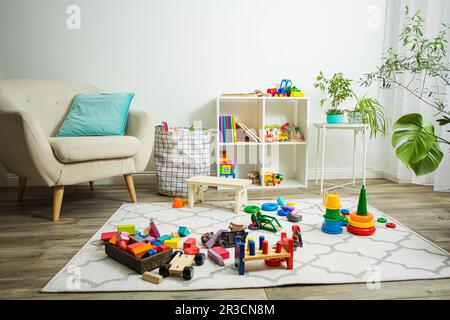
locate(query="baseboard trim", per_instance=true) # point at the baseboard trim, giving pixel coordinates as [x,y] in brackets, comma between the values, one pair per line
[149,177]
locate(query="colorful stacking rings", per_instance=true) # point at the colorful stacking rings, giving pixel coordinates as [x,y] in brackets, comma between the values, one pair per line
[382,220]
[269,206]
[251,208]
[361,231]
[362,225]
[288,208]
[356,218]
[291,204]
[283,213]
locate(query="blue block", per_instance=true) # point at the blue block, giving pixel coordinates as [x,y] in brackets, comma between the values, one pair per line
[151,252]
[164,238]
[183,231]
[252,247]
[157,243]
[261,239]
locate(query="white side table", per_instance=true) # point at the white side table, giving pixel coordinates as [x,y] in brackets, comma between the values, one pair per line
[342,126]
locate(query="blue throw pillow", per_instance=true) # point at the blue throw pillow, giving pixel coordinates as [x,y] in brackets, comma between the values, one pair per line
[99,114]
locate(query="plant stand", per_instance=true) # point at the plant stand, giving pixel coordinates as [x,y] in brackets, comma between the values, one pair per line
[356,127]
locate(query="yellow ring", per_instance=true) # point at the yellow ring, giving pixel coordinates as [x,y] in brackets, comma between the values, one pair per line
[363,225]
[291,204]
[357,218]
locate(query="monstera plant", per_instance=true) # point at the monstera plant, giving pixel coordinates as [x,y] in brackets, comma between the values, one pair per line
[421,67]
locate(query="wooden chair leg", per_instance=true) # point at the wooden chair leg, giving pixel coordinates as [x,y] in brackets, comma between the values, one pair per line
[92,185]
[21,188]
[130,186]
[58,193]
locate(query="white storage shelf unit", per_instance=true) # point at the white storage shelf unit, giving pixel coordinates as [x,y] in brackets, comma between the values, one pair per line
[287,158]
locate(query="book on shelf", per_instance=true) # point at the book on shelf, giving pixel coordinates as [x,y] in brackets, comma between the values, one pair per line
[232,130]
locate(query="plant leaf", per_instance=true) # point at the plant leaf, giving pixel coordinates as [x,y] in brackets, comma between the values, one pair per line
[430,162]
[417,136]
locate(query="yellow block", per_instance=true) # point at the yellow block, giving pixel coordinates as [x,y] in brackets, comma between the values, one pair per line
[173,243]
[130,228]
[363,225]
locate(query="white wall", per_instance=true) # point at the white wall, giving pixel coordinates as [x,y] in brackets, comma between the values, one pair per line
[177,56]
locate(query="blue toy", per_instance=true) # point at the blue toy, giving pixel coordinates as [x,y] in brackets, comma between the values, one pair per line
[283,213]
[281,201]
[269,206]
[332,227]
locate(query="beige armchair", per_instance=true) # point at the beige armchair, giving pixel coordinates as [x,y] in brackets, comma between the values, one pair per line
[31,112]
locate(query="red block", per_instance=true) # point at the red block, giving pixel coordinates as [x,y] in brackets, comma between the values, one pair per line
[222,252]
[190,242]
[192,250]
[164,247]
[106,236]
[134,245]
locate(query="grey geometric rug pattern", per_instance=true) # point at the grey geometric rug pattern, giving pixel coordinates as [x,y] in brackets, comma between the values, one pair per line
[388,255]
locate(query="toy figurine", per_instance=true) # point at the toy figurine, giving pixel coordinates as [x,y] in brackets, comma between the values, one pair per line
[254,175]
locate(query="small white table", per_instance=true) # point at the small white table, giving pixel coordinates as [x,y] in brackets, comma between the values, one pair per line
[356,127]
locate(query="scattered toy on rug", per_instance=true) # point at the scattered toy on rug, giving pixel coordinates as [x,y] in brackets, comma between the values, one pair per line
[332,216]
[179,203]
[283,251]
[181,265]
[265,222]
[297,236]
[233,226]
[222,238]
[361,222]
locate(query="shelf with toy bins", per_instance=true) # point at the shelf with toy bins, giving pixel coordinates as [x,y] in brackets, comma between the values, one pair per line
[249,155]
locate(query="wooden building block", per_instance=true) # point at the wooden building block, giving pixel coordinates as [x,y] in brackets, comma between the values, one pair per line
[153,230]
[156,243]
[152,277]
[124,236]
[106,236]
[172,243]
[183,231]
[163,238]
[134,245]
[212,241]
[222,252]
[113,240]
[214,256]
[189,242]
[130,228]
[175,234]
[192,250]
[162,247]
[149,239]
[137,238]
[141,250]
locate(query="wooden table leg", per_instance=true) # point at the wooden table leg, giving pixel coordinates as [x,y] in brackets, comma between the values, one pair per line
[199,193]
[191,192]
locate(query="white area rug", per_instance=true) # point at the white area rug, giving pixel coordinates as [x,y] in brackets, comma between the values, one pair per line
[390,254]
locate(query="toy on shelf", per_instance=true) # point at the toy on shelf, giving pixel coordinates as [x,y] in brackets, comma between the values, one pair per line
[272,179]
[273,256]
[265,222]
[181,265]
[286,89]
[254,176]
[361,222]
[286,132]
[297,236]
[332,216]
[283,90]
[226,168]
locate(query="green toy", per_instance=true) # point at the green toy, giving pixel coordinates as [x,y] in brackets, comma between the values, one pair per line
[266,222]
[382,220]
[251,208]
[362,202]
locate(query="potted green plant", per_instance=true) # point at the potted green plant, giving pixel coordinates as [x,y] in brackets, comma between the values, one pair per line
[337,90]
[370,111]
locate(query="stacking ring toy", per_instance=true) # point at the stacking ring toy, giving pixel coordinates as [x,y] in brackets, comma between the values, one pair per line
[288,208]
[355,217]
[251,209]
[269,206]
[283,213]
[390,225]
[291,204]
[382,220]
[345,212]
[363,225]
[361,232]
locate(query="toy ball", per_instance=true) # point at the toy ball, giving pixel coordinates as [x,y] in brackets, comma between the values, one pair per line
[280,201]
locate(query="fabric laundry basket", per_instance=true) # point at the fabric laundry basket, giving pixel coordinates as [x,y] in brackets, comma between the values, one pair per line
[180,153]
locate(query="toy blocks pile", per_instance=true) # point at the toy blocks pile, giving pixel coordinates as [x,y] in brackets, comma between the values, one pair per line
[190,246]
[146,243]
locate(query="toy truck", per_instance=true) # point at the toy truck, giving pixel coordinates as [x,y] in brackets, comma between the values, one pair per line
[181,264]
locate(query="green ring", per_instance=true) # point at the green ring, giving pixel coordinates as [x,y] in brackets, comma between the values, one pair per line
[252,209]
[382,220]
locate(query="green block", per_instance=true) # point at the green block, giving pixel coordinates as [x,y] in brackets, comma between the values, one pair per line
[130,228]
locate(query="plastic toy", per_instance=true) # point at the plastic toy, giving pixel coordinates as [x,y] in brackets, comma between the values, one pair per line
[130,228]
[222,238]
[226,168]
[382,220]
[181,264]
[361,222]
[272,179]
[283,90]
[265,222]
[283,213]
[287,208]
[345,212]
[251,208]
[297,236]
[390,225]
[294,216]
[332,216]
[273,256]
[280,201]
[291,204]
[295,92]
[269,206]
[272,91]
[179,203]
[237,226]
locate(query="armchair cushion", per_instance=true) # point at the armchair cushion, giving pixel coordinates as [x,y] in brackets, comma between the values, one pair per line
[98,114]
[80,149]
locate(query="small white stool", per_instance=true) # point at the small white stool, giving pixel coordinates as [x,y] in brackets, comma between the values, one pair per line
[356,127]
[195,190]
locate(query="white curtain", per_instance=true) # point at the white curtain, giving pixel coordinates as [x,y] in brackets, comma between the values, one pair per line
[401,102]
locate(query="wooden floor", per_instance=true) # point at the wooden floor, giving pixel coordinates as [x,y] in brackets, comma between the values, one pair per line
[33,248]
